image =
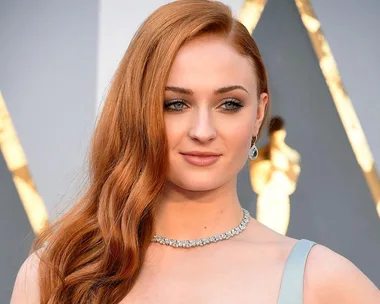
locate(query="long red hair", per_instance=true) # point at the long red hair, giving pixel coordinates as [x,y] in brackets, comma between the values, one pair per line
[94,253]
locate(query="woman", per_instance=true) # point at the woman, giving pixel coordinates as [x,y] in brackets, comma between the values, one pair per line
[187,99]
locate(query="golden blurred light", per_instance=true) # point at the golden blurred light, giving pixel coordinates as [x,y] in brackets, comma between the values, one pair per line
[250,13]
[17,164]
[341,99]
[273,202]
[310,23]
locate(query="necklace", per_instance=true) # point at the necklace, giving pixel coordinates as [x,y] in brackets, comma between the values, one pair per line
[204,241]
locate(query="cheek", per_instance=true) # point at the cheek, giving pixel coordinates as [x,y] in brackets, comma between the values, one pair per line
[238,132]
[239,139]
[174,130]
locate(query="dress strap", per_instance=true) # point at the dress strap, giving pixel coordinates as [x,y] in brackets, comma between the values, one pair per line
[291,290]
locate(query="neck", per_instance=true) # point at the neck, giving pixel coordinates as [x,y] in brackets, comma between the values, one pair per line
[186,215]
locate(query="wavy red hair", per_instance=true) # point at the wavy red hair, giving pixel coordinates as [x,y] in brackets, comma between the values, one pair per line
[94,253]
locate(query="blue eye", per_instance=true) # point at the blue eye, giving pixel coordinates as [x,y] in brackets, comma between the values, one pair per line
[175,105]
[232,105]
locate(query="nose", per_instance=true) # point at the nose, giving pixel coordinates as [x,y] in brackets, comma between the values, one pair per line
[202,127]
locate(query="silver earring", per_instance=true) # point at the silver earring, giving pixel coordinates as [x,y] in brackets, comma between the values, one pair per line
[253,152]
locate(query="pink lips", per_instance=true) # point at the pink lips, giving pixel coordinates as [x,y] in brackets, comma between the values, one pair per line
[198,158]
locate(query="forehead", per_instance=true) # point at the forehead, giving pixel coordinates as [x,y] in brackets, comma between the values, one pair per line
[209,63]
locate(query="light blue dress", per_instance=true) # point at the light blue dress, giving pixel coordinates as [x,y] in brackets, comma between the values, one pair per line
[291,290]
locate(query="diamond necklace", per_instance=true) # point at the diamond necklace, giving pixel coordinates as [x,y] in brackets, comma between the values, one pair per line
[204,241]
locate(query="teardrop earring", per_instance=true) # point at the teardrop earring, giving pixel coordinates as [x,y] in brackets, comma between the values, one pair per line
[253,152]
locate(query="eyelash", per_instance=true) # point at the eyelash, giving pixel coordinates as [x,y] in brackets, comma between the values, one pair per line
[236,103]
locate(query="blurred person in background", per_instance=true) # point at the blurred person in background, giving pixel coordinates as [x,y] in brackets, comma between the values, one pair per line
[274,175]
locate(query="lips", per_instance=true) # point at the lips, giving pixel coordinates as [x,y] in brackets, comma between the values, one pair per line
[198,158]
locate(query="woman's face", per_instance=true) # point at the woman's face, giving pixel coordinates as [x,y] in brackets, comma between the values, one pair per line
[211,105]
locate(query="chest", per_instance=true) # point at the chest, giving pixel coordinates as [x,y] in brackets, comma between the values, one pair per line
[215,279]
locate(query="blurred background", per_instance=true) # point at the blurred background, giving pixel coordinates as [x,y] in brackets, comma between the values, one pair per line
[58,57]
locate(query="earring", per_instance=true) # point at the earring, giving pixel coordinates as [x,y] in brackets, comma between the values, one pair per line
[253,152]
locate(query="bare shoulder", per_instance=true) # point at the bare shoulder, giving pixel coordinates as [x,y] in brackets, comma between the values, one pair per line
[26,288]
[331,278]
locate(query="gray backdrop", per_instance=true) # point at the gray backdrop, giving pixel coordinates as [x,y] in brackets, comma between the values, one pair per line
[16,234]
[352,27]
[332,204]
[48,53]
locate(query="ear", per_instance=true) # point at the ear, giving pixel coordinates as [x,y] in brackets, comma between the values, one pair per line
[260,115]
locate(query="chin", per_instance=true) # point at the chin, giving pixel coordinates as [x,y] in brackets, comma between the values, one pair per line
[198,182]
[197,187]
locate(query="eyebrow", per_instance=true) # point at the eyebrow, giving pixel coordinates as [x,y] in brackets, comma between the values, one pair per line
[216,92]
